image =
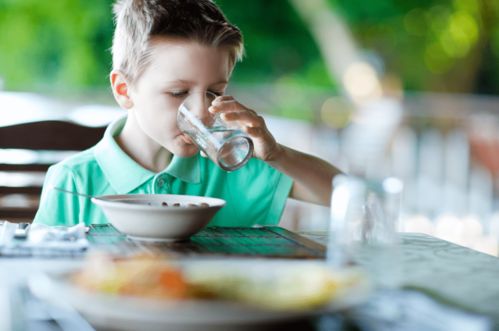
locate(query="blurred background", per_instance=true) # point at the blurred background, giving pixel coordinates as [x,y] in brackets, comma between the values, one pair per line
[384,88]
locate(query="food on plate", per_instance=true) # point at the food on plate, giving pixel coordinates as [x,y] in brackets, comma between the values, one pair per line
[178,204]
[143,275]
[287,287]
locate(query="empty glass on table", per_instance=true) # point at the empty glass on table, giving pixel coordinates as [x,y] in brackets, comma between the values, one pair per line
[364,227]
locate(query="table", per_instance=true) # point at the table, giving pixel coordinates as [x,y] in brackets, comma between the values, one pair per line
[447,272]
[459,275]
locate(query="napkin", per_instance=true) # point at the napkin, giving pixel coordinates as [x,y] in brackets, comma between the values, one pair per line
[43,240]
[60,237]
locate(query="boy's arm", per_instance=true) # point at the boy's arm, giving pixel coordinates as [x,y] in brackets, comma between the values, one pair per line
[312,176]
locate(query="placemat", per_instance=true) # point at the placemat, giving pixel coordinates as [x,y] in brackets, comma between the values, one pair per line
[266,241]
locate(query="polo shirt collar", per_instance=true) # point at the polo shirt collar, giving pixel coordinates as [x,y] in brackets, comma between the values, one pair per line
[125,175]
[186,169]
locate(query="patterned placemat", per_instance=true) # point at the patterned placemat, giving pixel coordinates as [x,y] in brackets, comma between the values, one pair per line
[238,241]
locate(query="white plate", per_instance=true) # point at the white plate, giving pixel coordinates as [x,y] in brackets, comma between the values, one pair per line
[129,313]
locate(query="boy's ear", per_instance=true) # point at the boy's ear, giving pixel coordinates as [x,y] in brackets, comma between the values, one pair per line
[120,87]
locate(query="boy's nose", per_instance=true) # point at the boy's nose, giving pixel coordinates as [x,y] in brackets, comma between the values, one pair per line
[200,109]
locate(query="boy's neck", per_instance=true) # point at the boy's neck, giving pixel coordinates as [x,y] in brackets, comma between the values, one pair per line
[142,149]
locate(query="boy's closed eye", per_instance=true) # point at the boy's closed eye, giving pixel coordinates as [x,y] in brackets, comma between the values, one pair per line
[217,93]
[177,94]
[181,94]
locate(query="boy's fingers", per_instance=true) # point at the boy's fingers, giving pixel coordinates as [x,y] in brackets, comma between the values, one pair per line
[226,105]
[222,98]
[255,132]
[248,118]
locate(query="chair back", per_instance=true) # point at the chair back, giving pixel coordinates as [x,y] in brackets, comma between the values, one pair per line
[26,152]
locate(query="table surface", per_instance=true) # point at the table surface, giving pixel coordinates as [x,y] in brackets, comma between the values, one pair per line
[457,274]
[453,274]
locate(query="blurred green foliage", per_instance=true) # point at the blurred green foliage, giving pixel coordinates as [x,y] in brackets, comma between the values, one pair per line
[440,45]
[279,47]
[436,45]
[59,44]
[64,44]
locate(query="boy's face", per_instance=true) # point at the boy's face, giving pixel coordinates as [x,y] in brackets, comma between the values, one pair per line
[177,68]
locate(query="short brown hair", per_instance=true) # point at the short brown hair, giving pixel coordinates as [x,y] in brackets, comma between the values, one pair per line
[137,21]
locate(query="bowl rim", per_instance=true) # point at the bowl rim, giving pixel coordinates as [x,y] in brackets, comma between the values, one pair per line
[111,200]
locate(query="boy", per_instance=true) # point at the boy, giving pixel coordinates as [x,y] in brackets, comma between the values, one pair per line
[163,51]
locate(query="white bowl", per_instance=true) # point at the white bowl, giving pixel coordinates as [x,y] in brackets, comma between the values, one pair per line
[158,217]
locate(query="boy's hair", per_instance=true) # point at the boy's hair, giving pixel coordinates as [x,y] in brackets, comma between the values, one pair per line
[137,21]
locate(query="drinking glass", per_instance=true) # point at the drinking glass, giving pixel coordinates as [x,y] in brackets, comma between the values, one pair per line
[364,227]
[223,142]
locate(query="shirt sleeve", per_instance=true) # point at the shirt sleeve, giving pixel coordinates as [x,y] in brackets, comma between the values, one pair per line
[56,207]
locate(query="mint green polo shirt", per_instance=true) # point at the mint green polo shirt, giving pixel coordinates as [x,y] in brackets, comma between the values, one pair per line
[254,194]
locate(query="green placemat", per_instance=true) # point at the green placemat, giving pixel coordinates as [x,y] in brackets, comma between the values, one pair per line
[238,241]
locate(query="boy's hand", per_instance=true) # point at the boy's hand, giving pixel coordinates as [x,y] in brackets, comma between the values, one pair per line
[266,147]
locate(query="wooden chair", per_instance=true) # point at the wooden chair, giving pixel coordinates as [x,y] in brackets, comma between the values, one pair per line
[26,152]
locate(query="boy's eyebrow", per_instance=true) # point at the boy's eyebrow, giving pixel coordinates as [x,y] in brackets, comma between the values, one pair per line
[183,81]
